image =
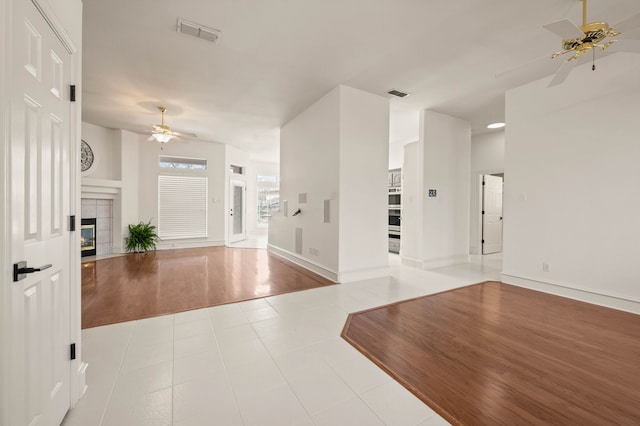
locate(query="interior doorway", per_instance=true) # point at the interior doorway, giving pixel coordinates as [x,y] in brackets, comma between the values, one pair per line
[492,216]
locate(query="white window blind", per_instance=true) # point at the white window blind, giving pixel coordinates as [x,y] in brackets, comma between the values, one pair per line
[182,207]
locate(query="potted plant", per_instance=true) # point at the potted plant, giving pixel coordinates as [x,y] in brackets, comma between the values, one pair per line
[142,237]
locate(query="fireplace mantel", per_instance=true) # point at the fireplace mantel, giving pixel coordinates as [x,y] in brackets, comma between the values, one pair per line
[91,186]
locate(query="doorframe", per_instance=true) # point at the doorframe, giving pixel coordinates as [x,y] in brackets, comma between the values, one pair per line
[478,208]
[5,119]
[77,384]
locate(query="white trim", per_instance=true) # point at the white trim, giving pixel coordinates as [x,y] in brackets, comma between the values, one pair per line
[363,274]
[435,263]
[48,14]
[6,62]
[106,183]
[313,267]
[173,244]
[409,261]
[575,292]
[445,261]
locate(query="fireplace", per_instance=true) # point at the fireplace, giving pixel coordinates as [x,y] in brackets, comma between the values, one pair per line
[88,237]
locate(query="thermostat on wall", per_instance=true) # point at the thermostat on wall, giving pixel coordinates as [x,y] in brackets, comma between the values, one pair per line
[432,193]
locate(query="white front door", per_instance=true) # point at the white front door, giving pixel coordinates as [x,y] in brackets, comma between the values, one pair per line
[38,311]
[491,214]
[237,211]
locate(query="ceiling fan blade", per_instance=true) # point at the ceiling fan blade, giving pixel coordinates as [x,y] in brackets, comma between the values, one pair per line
[185,135]
[565,29]
[628,24]
[150,138]
[625,45]
[563,73]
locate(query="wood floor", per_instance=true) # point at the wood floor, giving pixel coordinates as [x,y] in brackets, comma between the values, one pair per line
[492,354]
[144,285]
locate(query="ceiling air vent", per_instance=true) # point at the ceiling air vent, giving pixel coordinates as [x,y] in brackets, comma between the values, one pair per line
[397,93]
[197,30]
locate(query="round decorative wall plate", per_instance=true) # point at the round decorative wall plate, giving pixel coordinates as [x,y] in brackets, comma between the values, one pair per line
[86,156]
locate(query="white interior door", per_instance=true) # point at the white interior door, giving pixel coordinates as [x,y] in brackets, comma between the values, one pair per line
[491,214]
[237,211]
[38,303]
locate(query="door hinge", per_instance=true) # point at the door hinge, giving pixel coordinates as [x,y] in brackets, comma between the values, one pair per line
[72,223]
[482,183]
[72,93]
[72,352]
[482,211]
[482,241]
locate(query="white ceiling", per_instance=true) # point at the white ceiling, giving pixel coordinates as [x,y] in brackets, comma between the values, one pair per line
[276,57]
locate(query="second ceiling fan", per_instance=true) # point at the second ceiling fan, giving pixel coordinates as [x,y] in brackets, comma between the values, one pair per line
[589,37]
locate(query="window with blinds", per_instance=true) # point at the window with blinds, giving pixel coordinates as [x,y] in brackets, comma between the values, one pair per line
[182,207]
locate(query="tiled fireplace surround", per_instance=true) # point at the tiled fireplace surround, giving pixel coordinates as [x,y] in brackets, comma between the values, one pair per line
[102,210]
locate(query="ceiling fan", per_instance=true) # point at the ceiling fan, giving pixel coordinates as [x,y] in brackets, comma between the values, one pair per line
[588,38]
[163,133]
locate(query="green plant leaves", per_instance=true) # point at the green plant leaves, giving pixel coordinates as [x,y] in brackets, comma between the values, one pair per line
[142,237]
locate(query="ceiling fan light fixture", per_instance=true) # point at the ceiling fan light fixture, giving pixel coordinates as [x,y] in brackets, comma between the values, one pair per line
[162,137]
[495,126]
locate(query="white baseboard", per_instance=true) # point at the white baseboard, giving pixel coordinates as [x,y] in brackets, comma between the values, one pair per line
[170,245]
[434,263]
[363,274]
[313,267]
[445,261]
[409,261]
[574,292]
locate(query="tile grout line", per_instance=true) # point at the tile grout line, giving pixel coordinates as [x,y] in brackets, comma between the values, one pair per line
[224,363]
[278,367]
[115,380]
[173,366]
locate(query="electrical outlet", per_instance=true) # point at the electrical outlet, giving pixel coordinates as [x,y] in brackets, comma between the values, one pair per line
[545,267]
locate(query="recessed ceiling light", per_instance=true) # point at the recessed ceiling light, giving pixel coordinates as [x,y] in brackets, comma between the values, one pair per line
[495,126]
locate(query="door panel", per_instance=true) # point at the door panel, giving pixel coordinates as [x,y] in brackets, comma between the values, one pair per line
[237,213]
[39,171]
[492,217]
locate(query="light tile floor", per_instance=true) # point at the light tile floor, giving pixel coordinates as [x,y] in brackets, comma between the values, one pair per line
[273,361]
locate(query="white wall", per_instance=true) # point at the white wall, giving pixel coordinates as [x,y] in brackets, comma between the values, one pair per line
[487,157]
[447,153]
[149,170]
[439,235]
[309,163]
[364,158]
[412,204]
[126,207]
[396,155]
[572,199]
[103,143]
[336,150]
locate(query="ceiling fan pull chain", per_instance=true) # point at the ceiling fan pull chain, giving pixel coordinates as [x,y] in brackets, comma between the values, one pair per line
[593,67]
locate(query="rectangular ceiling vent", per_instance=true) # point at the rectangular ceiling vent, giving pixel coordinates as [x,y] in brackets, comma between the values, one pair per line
[197,30]
[397,93]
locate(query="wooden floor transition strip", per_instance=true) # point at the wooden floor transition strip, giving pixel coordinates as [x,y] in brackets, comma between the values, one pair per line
[144,285]
[496,354]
